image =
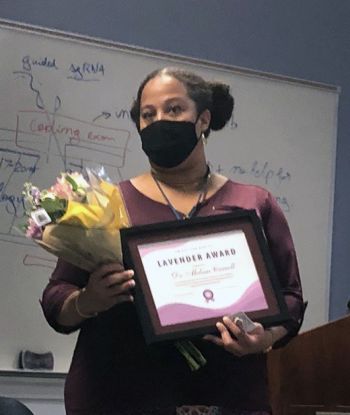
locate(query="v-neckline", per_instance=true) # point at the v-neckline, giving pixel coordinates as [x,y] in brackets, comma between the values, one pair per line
[206,202]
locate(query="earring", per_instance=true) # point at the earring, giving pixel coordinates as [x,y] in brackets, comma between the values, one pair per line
[204,138]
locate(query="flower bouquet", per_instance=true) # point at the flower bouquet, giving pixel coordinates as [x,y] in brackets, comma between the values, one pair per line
[77,219]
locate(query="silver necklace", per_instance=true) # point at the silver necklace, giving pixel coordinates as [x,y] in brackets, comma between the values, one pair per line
[201,197]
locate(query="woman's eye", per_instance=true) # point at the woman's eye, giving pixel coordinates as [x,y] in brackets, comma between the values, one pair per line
[175,109]
[146,115]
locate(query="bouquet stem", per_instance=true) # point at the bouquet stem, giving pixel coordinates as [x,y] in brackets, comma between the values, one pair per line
[190,352]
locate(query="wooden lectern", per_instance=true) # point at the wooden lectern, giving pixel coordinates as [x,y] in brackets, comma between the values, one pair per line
[311,375]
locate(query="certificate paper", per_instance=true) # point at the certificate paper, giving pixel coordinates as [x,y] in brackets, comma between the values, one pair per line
[202,277]
[191,273]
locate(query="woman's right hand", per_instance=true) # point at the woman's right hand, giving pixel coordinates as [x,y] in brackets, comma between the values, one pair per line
[108,285]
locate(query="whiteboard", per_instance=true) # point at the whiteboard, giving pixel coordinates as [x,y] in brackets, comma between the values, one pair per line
[65,103]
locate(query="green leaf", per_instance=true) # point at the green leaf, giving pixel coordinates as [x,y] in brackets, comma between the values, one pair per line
[72,182]
[55,208]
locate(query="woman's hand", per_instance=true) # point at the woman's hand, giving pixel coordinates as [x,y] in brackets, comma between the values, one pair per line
[236,341]
[107,286]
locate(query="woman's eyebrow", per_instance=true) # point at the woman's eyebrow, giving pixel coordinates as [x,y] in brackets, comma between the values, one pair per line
[180,99]
[146,106]
[166,102]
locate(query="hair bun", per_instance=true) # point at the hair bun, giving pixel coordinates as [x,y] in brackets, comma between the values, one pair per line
[222,105]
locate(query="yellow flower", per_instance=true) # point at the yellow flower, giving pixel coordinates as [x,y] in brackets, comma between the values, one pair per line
[104,209]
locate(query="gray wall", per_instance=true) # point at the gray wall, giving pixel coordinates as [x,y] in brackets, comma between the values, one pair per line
[301,38]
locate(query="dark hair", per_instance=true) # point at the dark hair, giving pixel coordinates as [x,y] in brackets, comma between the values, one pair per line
[214,96]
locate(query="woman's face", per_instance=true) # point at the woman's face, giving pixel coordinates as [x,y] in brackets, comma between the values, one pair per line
[165,98]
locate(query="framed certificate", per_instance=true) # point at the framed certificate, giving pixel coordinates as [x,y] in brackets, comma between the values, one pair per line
[191,273]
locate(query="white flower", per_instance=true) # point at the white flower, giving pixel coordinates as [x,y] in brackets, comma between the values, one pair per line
[79,180]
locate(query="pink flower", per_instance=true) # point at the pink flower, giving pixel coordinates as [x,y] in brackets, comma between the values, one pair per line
[62,190]
[33,230]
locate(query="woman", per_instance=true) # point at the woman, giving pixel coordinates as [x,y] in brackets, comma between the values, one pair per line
[113,371]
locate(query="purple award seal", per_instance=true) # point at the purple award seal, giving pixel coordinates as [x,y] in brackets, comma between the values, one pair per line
[208,295]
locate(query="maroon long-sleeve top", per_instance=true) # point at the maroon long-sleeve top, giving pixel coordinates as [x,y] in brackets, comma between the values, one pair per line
[114,372]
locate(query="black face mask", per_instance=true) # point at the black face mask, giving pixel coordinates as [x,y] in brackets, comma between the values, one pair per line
[169,143]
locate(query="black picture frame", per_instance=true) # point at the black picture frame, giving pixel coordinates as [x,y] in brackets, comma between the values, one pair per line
[247,221]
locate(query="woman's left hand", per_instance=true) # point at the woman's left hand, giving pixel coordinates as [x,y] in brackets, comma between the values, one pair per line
[236,341]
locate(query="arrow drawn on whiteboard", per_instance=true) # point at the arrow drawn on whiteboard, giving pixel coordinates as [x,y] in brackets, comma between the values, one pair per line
[104,114]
